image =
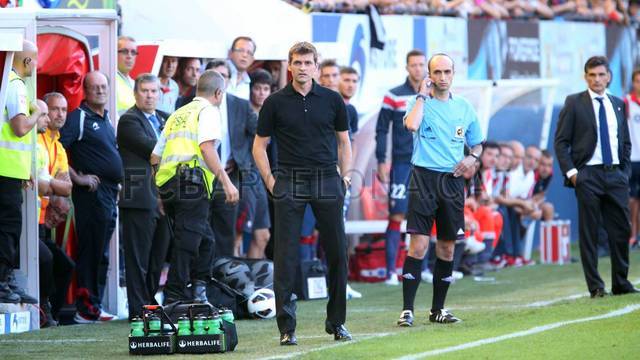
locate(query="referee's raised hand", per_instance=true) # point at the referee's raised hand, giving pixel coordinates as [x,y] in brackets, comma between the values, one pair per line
[425,86]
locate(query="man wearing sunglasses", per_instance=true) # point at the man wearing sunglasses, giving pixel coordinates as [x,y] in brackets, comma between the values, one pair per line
[127,53]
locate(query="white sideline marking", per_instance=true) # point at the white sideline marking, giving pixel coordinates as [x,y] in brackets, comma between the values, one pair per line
[533,304]
[534,330]
[50,341]
[326,347]
[556,300]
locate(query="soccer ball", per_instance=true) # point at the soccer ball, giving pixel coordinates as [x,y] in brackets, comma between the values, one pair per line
[262,304]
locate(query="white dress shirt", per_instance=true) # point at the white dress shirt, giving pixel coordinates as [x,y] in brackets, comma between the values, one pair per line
[239,88]
[612,124]
[148,116]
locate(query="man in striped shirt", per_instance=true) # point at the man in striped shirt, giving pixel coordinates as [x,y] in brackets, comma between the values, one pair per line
[392,113]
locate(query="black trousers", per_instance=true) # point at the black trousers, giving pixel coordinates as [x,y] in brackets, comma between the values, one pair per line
[10,224]
[187,207]
[95,215]
[223,218]
[324,190]
[56,268]
[602,192]
[145,237]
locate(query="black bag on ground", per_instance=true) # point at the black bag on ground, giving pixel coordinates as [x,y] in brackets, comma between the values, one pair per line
[223,296]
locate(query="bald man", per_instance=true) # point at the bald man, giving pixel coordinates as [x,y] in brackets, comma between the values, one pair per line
[442,123]
[19,117]
[90,141]
[55,266]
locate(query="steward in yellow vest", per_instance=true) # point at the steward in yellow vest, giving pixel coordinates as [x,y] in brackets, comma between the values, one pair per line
[16,150]
[188,163]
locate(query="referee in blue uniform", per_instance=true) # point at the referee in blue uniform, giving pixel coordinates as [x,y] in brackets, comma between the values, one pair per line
[441,123]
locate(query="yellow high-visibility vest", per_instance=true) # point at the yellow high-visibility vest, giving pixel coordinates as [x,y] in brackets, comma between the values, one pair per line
[124,94]
[181,133]
[15,152]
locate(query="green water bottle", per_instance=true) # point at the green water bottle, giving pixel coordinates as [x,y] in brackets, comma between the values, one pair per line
[137,327]
[213,325]
[227,315]
[154,326]
[184,326]
[198,325]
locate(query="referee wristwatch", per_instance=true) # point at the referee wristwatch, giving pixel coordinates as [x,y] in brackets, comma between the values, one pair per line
[474,156]
[420,96]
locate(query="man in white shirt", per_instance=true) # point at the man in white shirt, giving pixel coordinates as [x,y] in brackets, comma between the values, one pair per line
[593,149]
[632,100]
[238,124]
[241,57]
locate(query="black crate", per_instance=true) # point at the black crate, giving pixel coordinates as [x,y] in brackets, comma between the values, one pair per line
[152,345]
[200,344]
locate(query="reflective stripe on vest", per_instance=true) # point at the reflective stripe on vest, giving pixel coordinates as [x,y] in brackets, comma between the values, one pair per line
[15,152]
[181,134]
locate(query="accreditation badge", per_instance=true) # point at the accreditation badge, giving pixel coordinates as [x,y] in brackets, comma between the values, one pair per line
[459,132]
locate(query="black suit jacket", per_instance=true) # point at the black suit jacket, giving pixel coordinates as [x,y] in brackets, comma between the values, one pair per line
[136,140]
[576,134]
[242,122]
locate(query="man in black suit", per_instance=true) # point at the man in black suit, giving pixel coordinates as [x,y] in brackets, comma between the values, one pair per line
[239,125]
[145,232]
[593,148]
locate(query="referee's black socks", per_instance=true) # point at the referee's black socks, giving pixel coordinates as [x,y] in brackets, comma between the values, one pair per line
[442,277]
[411,276]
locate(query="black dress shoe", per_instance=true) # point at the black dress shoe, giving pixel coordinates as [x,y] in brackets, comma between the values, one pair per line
[288,339]
[631,290]
[598,293]
[340,333]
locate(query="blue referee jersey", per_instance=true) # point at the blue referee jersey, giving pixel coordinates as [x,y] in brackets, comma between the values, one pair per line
[439,142]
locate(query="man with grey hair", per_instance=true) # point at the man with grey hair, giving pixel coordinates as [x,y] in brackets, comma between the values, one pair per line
[144,228]
[188,164]
[89,138]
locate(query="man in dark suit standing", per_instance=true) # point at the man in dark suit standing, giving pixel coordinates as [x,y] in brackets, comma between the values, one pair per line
[593,148]
[144,229]
[239,125]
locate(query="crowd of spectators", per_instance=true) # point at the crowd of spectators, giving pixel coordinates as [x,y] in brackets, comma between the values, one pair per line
[609,11]
[505,192]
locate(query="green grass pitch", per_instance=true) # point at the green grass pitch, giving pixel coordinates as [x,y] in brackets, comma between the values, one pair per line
[518,300]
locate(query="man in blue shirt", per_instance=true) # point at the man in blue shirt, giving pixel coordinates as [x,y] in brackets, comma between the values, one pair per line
[394,107]
[441,123]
